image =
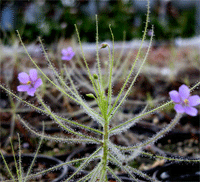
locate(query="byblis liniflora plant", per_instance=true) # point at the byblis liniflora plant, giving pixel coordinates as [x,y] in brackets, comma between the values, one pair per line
[106,152]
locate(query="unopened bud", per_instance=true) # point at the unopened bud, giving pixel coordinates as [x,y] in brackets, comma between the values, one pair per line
[95,76]
[104,45]
[90,96]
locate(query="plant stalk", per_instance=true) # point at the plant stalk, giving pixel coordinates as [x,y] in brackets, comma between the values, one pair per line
[105,147]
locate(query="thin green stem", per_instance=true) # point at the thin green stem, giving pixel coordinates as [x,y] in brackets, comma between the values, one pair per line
[157,136]
[111,62]
[20,159]
[196,85]
[113,174]
[96,173]
[140,173]
[80,74]
[45,112]
[93,174]
[86,177]
[16,165]
[136,59]
[61,124]
[55,72]
[8,169]
[35,156]
[84,105]
[97,55]
[169,158]
[73,86]
[105,146]
[86,64]
[132,83]
[56,167]
[92,156]
[130,124]
[113,159]
[121,53]
[76,140]
[140,116]
[103,177]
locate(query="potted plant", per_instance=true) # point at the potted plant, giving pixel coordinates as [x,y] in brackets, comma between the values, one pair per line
[107,152]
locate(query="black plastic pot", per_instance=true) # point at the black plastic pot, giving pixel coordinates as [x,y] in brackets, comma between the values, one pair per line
[41,160]
[174,138]
[178,172]
[177,136]
[144,128]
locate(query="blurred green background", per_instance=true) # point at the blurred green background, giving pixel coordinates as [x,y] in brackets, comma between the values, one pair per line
[55,19]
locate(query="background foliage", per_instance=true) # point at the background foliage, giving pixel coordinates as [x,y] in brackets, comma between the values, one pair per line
[54,19]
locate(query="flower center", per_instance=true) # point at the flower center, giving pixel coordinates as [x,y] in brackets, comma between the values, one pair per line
[28,83]
[186,102]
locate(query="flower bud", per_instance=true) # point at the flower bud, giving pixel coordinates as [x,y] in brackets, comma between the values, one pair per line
[95,76]
[90,96]
[104,45]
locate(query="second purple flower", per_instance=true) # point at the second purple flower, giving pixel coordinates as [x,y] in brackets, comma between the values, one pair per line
[67,54]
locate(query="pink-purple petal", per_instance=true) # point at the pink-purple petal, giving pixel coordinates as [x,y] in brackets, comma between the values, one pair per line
[191,111]
[69,50]
[179,108]
[72,54]
[64,51]
[194,100]
[29,82]
[184,92]
[64,58]
[31,91]
[23,88]
[174,95]
[33,75]
[23,77]
[38,83]
[67,58]
[67,54]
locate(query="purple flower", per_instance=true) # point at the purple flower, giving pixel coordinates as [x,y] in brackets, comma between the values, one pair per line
[149,33]
[184,102]
[67,54]
[29,83]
